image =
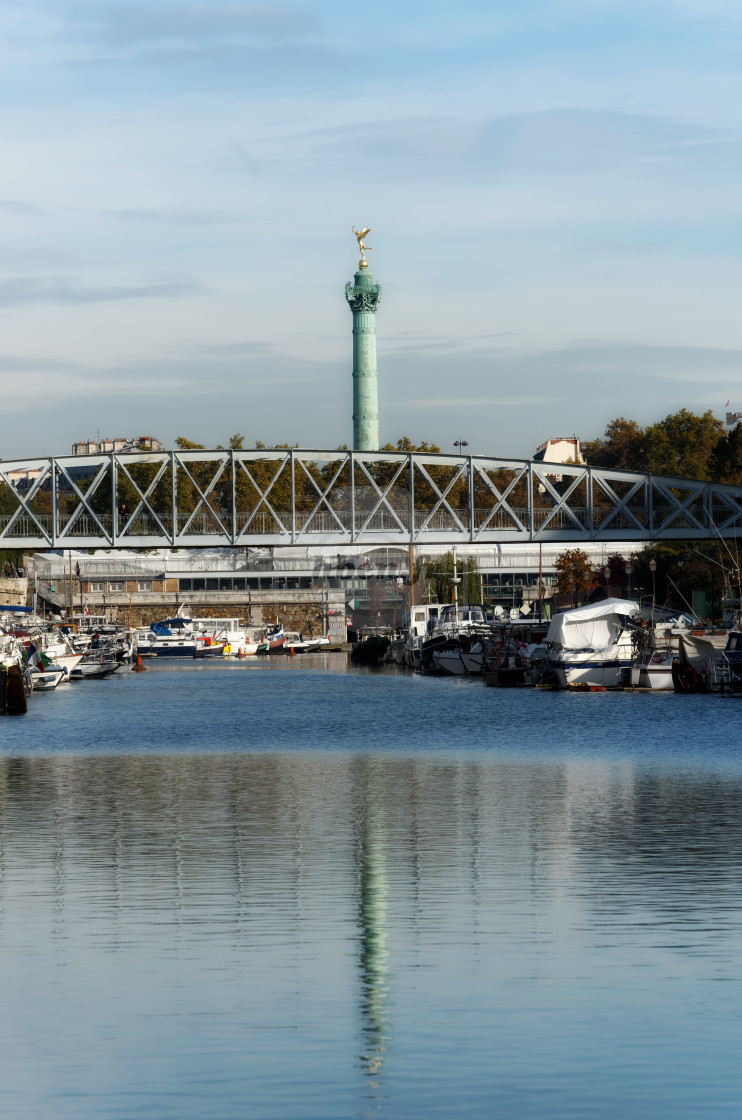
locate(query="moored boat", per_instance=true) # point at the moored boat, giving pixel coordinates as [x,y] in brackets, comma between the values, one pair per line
[593,646]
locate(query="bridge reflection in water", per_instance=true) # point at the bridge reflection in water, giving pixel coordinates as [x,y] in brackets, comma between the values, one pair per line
[335,498]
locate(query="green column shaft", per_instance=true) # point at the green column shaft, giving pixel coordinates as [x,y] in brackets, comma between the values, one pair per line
[363,297]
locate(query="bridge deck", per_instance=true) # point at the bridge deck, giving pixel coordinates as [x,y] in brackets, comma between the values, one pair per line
[320,498]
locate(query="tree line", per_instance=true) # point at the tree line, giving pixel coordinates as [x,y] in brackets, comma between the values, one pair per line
[683,445]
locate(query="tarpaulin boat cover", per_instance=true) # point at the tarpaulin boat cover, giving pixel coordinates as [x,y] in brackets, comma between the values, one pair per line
[595,626]
[700,651]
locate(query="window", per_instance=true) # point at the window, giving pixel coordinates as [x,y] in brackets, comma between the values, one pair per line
[97,587]
[238,585]
[212,584]
[266,584]
[185,584]
[225,584]
[144,585]
[252,584]
[199,585]
[116,585]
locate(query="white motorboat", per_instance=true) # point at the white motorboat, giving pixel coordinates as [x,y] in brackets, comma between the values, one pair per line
[447,659]
[171,637]
[46,679]
[594,646]
[95,666]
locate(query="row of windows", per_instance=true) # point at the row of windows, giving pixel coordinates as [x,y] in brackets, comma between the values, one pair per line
[491,582]
[516,579]
[251,583]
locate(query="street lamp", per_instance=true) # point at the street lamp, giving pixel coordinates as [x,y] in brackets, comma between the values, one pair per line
[461,444]
[628,568]
[653,570]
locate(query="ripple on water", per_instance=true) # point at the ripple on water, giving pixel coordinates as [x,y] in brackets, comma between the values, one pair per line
[291,893]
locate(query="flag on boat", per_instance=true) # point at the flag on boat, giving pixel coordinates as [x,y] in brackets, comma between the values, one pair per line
[86,610]
[726,405]
[36,658]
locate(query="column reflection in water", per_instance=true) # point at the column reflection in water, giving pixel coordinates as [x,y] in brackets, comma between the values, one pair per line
[372,915]
[294,934]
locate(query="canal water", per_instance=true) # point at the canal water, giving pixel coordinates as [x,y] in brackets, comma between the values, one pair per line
[292,890]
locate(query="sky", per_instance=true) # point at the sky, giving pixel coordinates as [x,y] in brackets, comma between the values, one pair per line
[552,188]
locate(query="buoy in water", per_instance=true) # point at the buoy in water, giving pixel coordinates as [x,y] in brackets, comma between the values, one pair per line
[291,650]
[137,667]
[240,652]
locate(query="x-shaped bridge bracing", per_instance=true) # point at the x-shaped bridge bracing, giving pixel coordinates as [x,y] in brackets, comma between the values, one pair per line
[335,498]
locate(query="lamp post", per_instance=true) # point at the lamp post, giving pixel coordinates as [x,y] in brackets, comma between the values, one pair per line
[455,581]
[461,444]
[628,568]
[607,576]
[653,570]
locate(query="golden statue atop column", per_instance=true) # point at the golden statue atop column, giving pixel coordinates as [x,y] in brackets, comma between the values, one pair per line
[360,234]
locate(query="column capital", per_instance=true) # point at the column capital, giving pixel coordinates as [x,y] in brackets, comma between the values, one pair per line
[362,294]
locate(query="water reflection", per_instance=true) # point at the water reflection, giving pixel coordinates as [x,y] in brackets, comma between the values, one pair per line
[370,795]
[232,914]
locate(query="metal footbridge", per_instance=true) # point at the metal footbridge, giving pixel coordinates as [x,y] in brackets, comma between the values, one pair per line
[334,498]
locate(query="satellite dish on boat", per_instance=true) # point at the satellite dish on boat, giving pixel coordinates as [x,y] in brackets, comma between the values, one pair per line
[498,611]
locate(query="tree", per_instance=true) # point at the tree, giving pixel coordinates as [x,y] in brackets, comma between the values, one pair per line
[622,447]
[406,444]
[187,444]
[683,444]
[574,567]
[435,573]
[726,460]
[236,443]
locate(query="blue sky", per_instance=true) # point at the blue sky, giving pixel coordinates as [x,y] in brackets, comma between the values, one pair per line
[553,189]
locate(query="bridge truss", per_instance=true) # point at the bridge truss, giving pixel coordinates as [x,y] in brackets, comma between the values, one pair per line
[334,498]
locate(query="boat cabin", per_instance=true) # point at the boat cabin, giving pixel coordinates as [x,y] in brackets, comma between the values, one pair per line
[467,614]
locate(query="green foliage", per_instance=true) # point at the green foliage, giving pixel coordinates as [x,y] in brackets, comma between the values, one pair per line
[687,566]
[406,444]
[683,445]
[433,576]
[622,447]
[726,461]
[188,445]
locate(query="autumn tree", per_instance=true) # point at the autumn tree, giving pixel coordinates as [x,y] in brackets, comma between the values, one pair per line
[574,566]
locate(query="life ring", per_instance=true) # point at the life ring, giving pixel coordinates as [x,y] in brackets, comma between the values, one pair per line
[688,678]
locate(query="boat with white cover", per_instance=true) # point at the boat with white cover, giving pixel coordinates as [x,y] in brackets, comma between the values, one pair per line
[594,646]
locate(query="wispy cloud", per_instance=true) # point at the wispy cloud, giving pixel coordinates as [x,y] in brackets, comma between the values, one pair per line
[19,291]
[187,23]
[547,142]
[176,217]
[18,208]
